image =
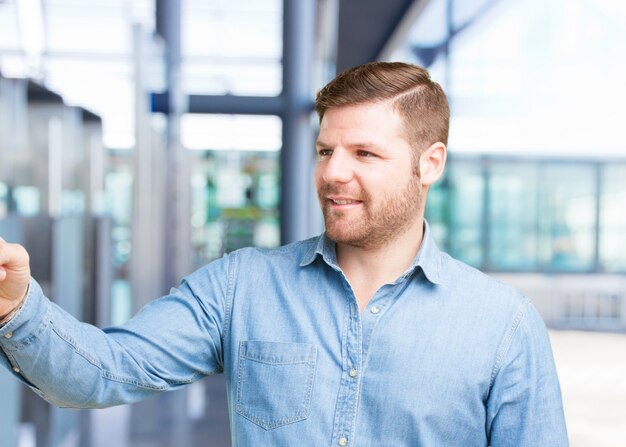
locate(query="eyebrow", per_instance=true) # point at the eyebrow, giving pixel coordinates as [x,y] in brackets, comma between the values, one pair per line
[320,143]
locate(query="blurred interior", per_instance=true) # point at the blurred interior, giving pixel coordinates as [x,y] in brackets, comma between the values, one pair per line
[140,140]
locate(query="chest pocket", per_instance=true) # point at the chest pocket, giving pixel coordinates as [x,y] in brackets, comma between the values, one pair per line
[275,382]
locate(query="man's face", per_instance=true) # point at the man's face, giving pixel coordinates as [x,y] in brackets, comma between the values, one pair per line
[366,179]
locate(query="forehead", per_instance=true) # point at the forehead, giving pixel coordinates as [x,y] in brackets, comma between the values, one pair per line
[371,121]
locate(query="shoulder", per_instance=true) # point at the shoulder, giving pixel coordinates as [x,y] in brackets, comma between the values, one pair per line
[493,309]
[469,283]
[293,252]
[247,261]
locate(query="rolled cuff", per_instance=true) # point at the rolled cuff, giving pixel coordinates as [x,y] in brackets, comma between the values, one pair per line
[28,321]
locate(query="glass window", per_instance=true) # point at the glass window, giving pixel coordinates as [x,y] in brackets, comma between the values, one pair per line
[119,197]
[235,198]
[4,200]
[113,99]
[119,204]
[513,216]
[438,212]
[466,210]
[515,71]
[235,182]
[88,57]
[244,77]
[232,47]
[613,219]
[541,216]
[27,200]
[238,132]
[567,217]
[9,31]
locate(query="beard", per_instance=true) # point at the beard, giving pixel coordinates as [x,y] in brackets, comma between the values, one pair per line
[378,223]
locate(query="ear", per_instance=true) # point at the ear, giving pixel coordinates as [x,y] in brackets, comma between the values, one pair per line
[432,163]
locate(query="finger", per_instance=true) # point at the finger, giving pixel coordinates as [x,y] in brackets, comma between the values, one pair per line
[4,252]
[3,274]
[12,255]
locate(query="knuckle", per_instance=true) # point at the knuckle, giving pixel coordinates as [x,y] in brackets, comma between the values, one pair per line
[25,255]
[12,252]
[20,252]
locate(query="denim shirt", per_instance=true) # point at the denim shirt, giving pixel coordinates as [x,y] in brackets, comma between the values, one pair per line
[443,356]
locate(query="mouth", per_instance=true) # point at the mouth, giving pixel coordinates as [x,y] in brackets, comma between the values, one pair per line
[343,202]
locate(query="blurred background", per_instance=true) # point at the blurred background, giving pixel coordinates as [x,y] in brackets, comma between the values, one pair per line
[141,139]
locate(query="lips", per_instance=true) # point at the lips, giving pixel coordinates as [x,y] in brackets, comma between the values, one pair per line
[341,198]
[345,201]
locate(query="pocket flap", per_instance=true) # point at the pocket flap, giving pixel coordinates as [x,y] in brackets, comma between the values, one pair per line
[277,352]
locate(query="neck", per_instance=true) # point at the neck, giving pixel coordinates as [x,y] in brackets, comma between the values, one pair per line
[369,268]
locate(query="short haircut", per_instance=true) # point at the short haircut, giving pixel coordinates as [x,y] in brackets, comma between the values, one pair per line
[421,102]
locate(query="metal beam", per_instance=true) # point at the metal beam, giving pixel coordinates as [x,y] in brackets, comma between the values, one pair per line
[293,105]
[404,26]
[177,207]
[426,55]
[245,105]
[365,26]
[297,150]
[176,214]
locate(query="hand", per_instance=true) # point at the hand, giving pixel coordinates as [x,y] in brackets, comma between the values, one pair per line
[14,276]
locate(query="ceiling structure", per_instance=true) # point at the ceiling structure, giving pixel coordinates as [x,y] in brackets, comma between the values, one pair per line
[367,27]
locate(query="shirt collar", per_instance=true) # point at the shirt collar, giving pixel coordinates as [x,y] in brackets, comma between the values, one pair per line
[428,257]
[323,247]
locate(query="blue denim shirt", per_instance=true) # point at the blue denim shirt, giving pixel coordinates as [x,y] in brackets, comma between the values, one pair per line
[443,356]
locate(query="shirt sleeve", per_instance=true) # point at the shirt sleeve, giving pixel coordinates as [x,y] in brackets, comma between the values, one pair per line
[172,341]
[525,406]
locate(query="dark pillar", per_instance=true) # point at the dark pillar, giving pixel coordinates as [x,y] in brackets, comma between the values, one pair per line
[297,151]
[169,410]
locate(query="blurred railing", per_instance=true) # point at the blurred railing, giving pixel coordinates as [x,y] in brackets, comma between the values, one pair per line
[584,302]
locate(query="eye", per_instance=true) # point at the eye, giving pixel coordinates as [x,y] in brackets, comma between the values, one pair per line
[324,152]
[366,154]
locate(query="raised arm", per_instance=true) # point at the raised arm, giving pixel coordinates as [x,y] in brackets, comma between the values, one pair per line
[14,278]
[172,341]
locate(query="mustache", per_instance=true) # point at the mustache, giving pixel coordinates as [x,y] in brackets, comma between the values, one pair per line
[329,189]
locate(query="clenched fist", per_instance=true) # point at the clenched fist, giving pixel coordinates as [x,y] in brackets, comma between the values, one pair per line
[14,276]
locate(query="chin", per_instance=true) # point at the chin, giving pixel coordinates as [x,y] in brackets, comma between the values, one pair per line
[345,238]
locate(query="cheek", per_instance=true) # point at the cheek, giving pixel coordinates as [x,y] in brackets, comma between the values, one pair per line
[317,176]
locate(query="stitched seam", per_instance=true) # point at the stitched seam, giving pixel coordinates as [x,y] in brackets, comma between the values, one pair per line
[275,362]
[272,423]
[229,294]
[34,336]
[16,312]
[506,341]
[109,375]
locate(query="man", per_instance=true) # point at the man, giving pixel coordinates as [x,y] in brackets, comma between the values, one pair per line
[365,336]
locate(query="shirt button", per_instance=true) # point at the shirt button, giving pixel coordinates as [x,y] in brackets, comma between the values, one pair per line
[8,335]
[375,310]
[352,372]
[16,369]
[343,442]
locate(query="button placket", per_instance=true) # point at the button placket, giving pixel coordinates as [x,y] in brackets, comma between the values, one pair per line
[348,395]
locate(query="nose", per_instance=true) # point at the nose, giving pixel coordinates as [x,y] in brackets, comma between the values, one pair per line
[337,168]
